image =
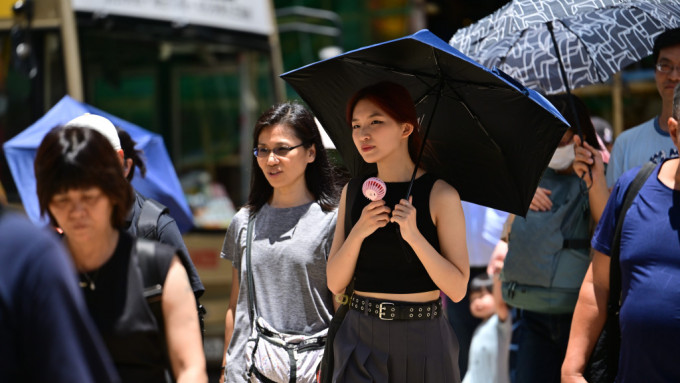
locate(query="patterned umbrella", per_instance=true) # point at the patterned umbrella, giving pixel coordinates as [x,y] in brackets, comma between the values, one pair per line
[595,39]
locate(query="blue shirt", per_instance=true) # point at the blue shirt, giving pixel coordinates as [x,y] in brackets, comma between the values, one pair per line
[46,334]
[637,146]
[650,278]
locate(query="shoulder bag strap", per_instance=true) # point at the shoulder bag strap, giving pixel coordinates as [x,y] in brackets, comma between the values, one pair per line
[614,265]
[353,190]
[249,271]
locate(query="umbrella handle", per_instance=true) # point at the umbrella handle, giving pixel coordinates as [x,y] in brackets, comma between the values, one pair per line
[563,72]
[415,168]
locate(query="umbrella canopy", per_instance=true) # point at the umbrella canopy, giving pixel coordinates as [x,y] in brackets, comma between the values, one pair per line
[160,183]
[595,38]
[489,137]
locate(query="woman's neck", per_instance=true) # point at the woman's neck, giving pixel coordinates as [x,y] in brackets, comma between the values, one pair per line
[397,171]
[290,197]
[91,255]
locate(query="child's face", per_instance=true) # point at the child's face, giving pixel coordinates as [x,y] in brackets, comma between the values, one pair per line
[482,304]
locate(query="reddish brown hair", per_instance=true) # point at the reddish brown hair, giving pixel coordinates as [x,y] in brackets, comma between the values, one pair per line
[396,101]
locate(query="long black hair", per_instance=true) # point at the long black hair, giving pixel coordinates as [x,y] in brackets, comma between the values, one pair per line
[129,152]
[319,175]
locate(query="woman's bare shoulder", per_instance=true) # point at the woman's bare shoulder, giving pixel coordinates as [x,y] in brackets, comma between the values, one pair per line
[443,191]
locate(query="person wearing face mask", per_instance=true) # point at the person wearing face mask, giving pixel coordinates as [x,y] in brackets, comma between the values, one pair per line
[548,255]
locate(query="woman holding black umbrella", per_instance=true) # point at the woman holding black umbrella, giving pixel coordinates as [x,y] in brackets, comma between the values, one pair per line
[399,253]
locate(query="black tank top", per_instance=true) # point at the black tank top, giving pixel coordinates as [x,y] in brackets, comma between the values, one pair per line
[124,318]
[386,263]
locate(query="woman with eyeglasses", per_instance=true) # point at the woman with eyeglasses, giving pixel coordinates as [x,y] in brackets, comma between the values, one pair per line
[293,197]
[81,187]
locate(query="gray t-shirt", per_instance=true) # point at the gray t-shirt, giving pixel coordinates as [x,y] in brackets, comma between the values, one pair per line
[289,252]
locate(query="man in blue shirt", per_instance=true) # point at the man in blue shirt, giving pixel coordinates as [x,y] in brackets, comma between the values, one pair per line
[46,334]
[649,141]
[650,277]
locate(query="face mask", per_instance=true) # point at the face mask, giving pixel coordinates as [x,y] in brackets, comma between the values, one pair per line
[562,158]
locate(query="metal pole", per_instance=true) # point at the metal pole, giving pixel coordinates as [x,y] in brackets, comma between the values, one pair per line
[246,108]
[276,59]
[69,37]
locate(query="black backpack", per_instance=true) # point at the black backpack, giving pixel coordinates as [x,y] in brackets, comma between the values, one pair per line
[147,225]
[147,228]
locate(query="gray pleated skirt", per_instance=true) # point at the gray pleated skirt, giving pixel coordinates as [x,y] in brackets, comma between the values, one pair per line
[368,349]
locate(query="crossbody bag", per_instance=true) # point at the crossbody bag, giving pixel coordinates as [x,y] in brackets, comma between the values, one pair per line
[327,365]
[273,356]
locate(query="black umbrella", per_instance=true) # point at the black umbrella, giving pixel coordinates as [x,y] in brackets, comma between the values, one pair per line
[487,135]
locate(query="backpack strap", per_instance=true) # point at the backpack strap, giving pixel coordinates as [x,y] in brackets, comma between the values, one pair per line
[614,300]
[614,265]
[153,277]
[153,260]
[147,224]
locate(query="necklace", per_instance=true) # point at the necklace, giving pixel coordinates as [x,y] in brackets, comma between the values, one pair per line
[90,280]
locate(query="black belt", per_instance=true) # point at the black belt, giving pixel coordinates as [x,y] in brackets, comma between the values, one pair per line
[392,310]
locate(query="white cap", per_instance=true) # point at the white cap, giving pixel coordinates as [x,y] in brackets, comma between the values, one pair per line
[98,123]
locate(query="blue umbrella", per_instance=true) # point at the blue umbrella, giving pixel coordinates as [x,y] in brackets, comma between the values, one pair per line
[487,135]
[160,183]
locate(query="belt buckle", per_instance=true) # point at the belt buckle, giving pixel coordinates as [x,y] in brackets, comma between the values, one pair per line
[382,307]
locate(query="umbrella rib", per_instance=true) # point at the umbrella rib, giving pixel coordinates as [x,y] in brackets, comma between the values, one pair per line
[501,59]
[417,75]
[479,124]
[475,118]
[585,47]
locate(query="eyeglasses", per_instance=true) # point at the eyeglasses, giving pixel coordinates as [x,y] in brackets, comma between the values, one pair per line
[667,68]
[281,151]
